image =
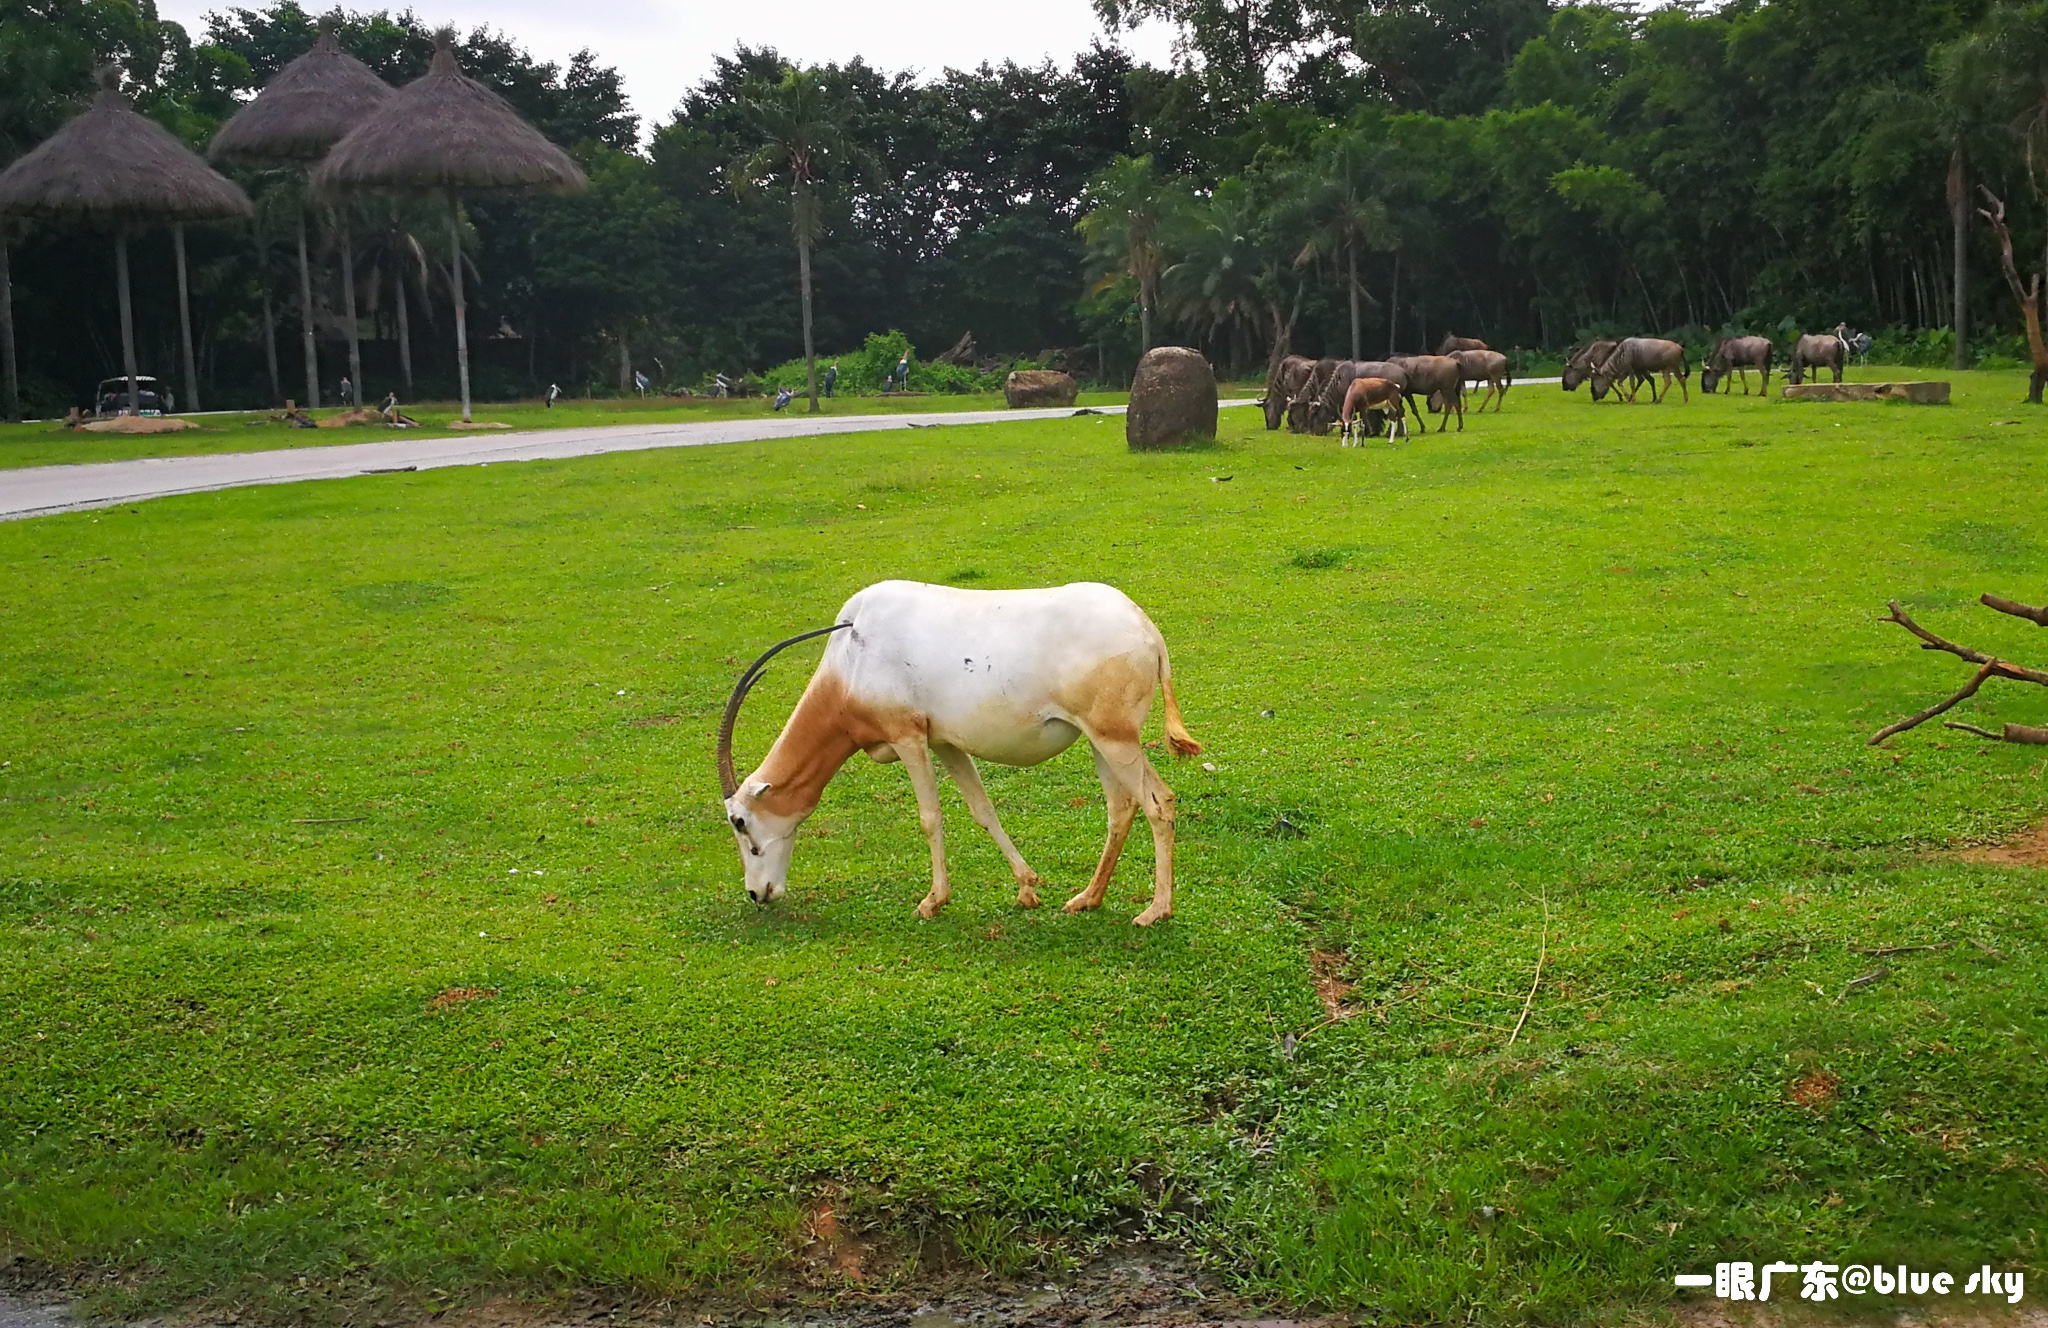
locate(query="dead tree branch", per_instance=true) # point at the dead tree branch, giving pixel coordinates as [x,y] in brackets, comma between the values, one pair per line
[2039,617]
[1988,667]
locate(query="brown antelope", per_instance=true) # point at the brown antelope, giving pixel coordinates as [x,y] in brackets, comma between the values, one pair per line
[1313,383]
[1373,394]
[1438,379]
[914,671]
[1489,367]
[1281,385]
[1640,360]
[1580,362]
[1822,351]
[1329,403]
[1738,355]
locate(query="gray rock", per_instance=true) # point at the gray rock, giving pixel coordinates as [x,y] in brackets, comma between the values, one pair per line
[1173,400]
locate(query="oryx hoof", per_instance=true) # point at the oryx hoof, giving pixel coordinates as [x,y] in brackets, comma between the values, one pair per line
[1082,902]
[1152,914]
[929,907]
[1027,897]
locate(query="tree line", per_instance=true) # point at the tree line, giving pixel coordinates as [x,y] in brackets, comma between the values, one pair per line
[1310,175]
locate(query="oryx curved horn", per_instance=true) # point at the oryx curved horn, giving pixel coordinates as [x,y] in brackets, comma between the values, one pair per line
[727,778]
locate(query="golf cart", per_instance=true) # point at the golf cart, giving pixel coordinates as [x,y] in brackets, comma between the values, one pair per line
[150,397]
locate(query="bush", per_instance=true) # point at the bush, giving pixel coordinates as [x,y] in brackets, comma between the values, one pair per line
[863,372]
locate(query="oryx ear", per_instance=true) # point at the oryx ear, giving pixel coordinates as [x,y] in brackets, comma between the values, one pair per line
[758,787]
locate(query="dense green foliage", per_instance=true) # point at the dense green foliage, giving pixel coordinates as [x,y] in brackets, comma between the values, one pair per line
[372,934]
[1516,169]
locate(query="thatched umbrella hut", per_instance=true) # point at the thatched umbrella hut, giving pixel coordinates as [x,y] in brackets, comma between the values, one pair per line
[113,167]
[449,134]
[299,115]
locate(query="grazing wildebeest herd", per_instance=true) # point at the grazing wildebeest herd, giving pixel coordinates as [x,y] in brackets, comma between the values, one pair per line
[1365,397]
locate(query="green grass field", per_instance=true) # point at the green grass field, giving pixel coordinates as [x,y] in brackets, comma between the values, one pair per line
[374,941]
[255,431]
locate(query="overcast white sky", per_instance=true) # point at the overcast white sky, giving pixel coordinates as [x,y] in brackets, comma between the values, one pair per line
[664,47]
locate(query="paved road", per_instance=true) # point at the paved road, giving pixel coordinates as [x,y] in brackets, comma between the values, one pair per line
[39,490]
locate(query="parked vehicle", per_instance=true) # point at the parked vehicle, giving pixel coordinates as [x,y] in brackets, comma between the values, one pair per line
[150,397]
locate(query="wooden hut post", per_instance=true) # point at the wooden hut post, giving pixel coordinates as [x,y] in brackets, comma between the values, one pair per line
[185,321]
[9,384]
[127,317]
[461,311]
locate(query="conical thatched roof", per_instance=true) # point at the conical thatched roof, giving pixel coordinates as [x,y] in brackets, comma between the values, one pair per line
[306,109]
[446,131]
[113,165]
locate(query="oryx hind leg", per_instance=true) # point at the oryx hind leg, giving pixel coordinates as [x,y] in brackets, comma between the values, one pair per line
[1124,761]
[968,780]
[1123,809]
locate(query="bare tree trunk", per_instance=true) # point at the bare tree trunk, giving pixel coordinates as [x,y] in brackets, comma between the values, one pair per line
[185,320]
[1351,255]
[270,339]
[348,311]
[2028,296]
[803,271]
[127,318]
[1144,326]
[306,317]
[1959,216]
[461,307]
[10,386]
[404,332]
[625,363]
[1394,305]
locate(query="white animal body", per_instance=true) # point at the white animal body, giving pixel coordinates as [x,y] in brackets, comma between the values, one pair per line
[914,671]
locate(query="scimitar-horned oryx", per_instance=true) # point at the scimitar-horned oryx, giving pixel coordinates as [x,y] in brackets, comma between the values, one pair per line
[914,671]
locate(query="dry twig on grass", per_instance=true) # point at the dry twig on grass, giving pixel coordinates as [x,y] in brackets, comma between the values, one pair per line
[1542,952]
[1988,667]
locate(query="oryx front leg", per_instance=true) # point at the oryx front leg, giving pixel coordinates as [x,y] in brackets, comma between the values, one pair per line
[917,762]
[968,780]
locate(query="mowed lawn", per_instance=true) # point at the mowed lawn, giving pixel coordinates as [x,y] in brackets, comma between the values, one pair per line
[373,939]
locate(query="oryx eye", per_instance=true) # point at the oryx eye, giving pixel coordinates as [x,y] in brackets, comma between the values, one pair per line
[739,823]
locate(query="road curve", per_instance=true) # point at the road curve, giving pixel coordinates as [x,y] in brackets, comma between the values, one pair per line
[41,490]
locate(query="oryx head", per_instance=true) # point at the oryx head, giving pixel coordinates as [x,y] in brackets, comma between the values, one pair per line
[765,836]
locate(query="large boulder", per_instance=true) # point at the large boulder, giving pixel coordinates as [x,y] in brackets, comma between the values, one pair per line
[1173,399]
[1039,387]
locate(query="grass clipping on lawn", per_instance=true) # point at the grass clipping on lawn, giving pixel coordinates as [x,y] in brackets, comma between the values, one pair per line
[375,939]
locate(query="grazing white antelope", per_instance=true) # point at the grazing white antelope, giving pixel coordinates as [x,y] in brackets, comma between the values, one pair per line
[914,671]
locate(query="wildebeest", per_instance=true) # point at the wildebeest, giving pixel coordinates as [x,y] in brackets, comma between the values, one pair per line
[1738,355]
[1311,389]
[1437,377]
[1453,344]
[1816,351]
[915,671]
[1287,375]
[1580,362]
[1489,367]
[1641,360]
[1329,403]
[1370,395]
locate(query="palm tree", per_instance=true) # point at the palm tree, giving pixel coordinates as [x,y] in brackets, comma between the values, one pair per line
[800,124]
[1337,200]
[1233,268]
[1130,206]
[1950,116]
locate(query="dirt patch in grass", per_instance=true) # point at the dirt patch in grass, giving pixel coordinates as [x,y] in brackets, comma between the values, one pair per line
[1326,967]
[2028,850]
[460,995]
[1816,1089]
